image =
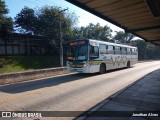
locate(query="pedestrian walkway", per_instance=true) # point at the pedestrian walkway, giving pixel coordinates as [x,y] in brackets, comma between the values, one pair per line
[139,101]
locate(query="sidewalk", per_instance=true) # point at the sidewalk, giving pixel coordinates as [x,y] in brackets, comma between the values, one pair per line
[142,99]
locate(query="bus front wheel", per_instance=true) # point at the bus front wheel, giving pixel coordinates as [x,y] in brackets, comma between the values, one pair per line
[102,69]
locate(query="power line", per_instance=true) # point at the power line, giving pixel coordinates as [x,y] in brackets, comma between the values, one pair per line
[80,15]
[32,2]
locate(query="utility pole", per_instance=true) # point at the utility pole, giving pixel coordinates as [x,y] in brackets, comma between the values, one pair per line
[61,37]
[145,52]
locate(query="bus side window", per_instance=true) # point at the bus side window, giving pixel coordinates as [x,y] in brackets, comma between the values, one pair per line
[134,52]
[124,50]
[128,51]
[110,49]
[117,50]
[103,49]
[94,51]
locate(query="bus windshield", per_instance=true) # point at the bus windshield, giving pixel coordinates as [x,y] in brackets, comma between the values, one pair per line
[77,51]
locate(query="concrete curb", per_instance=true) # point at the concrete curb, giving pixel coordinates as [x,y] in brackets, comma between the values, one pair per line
[30,75]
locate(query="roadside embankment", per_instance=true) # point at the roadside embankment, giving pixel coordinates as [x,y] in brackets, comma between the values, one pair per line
[30,75]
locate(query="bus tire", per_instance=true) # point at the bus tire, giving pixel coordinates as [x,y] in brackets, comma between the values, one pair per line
[102,68]
[128,64]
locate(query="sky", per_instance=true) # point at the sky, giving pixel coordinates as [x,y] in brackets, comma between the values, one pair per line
[84,17]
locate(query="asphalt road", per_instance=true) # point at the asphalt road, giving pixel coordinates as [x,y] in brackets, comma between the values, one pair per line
[72,92]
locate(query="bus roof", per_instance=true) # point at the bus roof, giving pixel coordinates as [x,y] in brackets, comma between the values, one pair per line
[109,43]
[103,42]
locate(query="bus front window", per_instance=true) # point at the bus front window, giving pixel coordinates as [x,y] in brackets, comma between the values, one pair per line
[77,51]
[70,53]
[82,52]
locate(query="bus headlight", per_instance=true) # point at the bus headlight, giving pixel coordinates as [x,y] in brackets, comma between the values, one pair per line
[86,64]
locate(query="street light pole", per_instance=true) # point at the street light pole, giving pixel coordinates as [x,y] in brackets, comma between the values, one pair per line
[61,37]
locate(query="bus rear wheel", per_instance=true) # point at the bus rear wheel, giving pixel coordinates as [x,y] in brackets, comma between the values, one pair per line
[102,69]
[128,64]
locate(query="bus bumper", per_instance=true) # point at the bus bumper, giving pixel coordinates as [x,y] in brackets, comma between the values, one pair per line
[86,69]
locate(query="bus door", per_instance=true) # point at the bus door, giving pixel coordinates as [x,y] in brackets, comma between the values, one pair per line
[110,57]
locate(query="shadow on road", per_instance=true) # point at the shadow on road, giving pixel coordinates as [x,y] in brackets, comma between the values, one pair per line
[33,85]
[46,82]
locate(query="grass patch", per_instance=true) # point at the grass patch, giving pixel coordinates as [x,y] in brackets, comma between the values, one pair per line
[20,63]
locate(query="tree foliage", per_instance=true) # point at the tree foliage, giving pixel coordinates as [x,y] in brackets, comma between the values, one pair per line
[44,21]
[146,50]
[93,32]
[6,23]
[26,20]
[123,37]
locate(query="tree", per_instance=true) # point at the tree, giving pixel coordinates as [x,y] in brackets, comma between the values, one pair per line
[44,21]
[146,50]
[26,21]
[141,45]
[93,32]
[123,37]
[6,23]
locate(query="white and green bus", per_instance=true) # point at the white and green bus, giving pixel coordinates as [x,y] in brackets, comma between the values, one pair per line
[91,56]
